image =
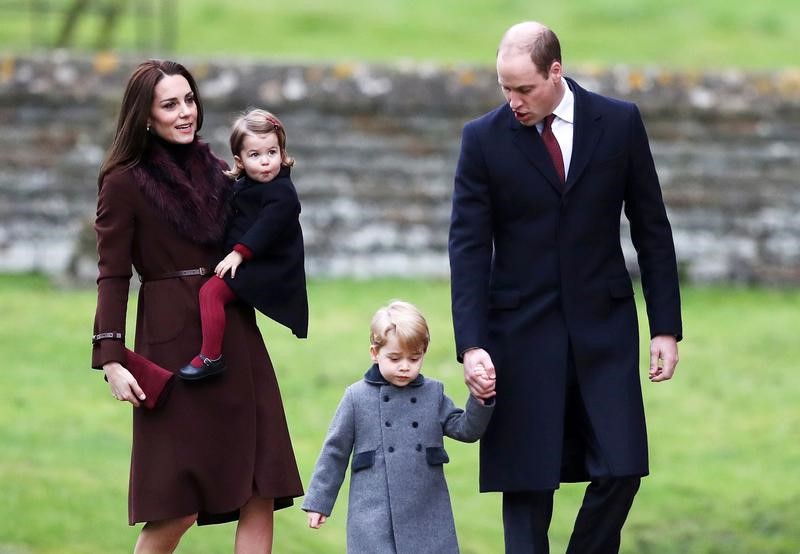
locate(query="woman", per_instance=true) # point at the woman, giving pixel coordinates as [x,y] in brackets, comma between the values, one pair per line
[217,450]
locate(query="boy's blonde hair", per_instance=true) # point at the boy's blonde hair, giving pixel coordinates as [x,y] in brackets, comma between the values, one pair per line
[256,121]
[407,323]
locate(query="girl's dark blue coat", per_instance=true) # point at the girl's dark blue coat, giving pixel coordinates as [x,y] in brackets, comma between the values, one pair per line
[266,220]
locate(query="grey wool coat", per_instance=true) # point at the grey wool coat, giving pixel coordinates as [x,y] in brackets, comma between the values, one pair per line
[399,502]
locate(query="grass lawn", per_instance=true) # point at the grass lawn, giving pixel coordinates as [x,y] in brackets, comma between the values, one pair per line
[723,434]
[674,33]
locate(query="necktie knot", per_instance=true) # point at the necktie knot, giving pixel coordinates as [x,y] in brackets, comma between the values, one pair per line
[548,121]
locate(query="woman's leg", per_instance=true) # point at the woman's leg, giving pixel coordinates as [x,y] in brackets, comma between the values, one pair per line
[162,537]
[254,532]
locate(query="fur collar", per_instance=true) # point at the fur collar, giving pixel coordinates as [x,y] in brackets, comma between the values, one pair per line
[187,186]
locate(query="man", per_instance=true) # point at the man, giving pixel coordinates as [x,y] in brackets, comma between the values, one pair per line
[540,292]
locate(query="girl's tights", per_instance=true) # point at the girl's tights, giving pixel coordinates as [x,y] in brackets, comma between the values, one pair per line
[214,295]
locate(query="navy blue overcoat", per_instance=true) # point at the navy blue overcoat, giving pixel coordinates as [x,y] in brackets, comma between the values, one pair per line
[538,274]
[266,220]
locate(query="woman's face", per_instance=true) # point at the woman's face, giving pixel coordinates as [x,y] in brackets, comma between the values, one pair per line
[173,116]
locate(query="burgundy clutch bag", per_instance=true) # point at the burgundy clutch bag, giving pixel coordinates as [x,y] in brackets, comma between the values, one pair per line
[155,381]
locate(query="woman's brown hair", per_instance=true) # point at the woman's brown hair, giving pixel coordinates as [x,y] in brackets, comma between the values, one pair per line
[131,137]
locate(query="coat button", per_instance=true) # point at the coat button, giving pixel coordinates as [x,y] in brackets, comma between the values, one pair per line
[419,448]
[413,399]
[415,425]
[391,449]
[386,398]
[388,424]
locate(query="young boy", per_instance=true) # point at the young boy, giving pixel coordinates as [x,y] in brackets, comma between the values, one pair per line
[394,421]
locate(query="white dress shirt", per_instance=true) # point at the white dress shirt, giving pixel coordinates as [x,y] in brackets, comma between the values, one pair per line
[563,125]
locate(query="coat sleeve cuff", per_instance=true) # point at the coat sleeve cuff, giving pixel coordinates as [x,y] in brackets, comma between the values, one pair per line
[460,356]
[246,253]
[105,351]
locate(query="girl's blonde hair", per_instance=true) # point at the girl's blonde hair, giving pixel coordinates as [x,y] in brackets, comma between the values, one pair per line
[256,121]
[407,323]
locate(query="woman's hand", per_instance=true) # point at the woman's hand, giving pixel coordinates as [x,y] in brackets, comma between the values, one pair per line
[123,385]
[231,261]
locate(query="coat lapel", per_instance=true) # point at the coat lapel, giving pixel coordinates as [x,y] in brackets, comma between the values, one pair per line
[586,135]
[529,142]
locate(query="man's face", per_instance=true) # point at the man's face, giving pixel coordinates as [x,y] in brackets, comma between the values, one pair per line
[531,95]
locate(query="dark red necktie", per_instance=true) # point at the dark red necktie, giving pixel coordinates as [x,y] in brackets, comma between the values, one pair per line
[552,146]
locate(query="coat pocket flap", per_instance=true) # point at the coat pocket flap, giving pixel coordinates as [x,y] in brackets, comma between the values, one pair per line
[503,299]
[620,287]
[436,455]
[363,460]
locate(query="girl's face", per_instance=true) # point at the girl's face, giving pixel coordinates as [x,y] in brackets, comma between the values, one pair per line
[173,116]
[260,157]
[397,365]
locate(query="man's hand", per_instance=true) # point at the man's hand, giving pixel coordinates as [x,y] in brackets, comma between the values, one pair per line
[479,374]
[663,357]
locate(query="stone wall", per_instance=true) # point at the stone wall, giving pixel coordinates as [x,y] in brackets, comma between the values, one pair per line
[376,148]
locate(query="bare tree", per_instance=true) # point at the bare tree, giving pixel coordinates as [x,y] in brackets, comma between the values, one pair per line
[109,11]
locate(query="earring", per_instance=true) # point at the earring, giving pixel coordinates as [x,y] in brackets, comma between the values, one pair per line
[148,127]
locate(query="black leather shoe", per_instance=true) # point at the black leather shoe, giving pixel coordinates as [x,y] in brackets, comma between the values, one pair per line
[210,367]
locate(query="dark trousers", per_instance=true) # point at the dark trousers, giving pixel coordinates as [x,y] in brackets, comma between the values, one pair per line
[606,503]
[526,518]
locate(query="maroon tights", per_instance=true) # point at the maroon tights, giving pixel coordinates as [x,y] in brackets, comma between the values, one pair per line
[214,295]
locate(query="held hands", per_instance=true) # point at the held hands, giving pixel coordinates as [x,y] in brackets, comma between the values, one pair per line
[123,385]
[315,519]
[479,373]
[663,357]
[231,261]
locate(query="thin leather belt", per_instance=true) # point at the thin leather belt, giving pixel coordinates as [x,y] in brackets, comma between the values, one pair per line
[175,274]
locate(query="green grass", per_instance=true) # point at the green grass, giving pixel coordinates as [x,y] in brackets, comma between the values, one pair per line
[724,448]
[672,33]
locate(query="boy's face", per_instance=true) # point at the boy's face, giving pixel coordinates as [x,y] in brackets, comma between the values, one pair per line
[398,366]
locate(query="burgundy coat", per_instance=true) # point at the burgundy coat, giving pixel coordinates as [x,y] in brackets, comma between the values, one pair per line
[214,443]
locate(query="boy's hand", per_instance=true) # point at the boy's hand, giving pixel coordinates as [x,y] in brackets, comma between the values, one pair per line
[479,372]
[231,261]
[315,519]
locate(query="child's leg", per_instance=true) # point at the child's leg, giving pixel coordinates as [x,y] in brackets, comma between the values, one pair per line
[214,295]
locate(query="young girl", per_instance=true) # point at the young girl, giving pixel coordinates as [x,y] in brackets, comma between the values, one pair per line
[394,421]
[265,266]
